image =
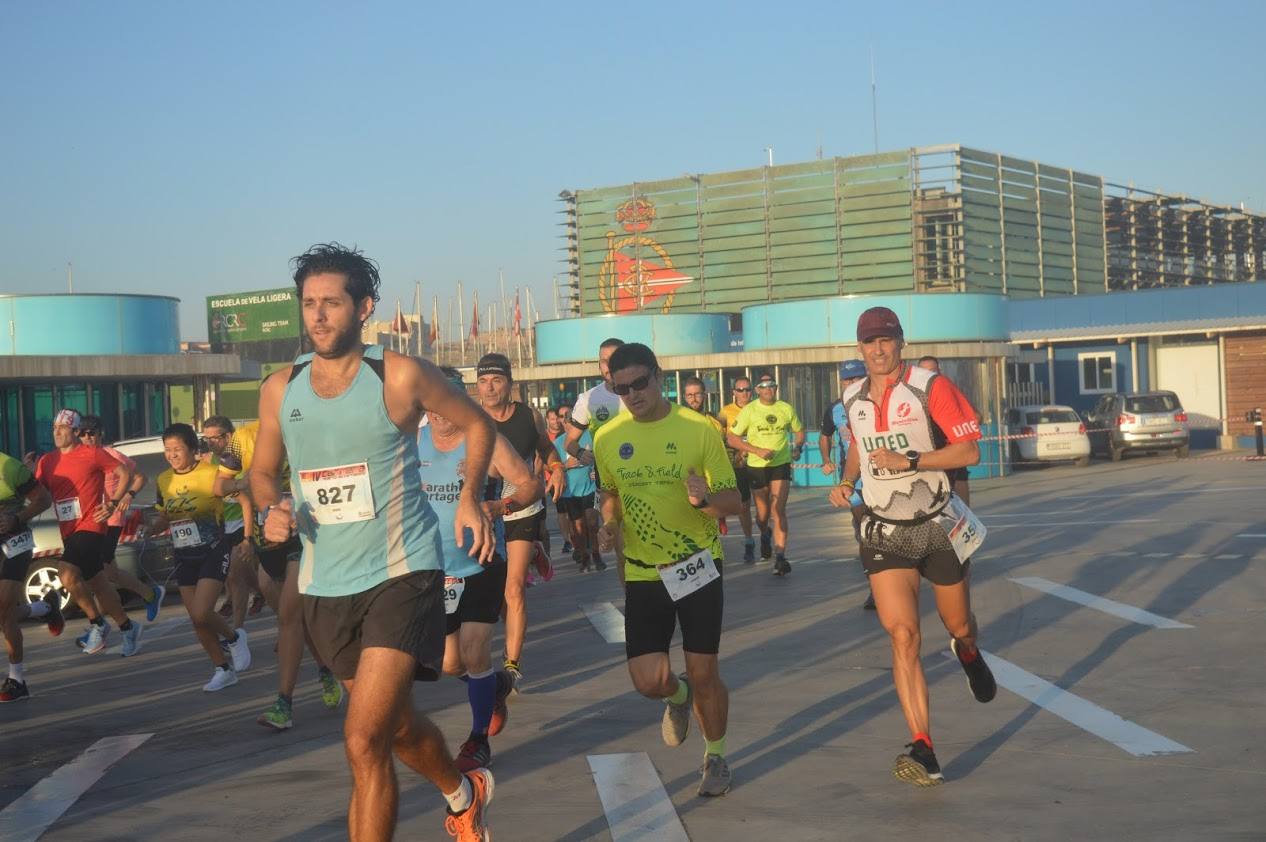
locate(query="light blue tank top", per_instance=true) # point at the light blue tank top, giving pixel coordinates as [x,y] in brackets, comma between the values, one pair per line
[442,480]
[352,544]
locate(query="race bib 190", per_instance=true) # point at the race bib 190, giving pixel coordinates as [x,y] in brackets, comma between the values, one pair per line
[689,575]
[341,494]
[453,593]
[68,510]
[18,544]
[184,534]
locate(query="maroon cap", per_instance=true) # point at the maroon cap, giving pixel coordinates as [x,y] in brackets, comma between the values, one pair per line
[878,321]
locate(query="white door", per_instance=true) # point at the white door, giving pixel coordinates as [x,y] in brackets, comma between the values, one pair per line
[1191,372]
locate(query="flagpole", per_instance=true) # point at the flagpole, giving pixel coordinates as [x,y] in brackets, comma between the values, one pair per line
[556,313]
[417,313]
[461,319]
[450,319]
[501,279]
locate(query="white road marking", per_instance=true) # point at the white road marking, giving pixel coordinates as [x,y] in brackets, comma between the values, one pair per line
[607,619]
[633,799]
[1157,555]
[1088,716]
[1251,535]
[157,631]
[1123,497]
[1099,603]
[1068,523]
[1192,555]
[27,817]
[1227,556]
[1123,552]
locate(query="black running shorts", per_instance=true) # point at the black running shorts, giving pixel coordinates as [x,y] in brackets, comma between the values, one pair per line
[481,599]
[525,528]
[84,550]
[276,559]
[651,617]
[111,544]
[575,507]
[762,477]
[744,484]
[405,613]
[14,569]
[198,563]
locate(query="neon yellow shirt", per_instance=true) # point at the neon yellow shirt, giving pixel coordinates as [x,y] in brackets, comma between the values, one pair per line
[769,427]
[646,464]
[191,496]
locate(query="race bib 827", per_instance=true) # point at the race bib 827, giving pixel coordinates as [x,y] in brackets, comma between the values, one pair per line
[341,494]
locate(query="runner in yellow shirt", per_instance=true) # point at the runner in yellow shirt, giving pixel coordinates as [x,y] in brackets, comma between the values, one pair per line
[667,480]
[728,414]
[769,427]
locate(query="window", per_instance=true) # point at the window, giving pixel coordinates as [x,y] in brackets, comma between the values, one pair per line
[1152,403]
[1098,373]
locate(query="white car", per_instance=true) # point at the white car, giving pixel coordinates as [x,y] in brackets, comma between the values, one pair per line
[1047,434]
[42,576]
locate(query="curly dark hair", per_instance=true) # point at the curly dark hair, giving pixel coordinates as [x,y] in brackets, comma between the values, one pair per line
[360,271]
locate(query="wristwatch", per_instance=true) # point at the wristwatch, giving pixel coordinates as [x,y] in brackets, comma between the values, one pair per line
[701,504]
[913,456]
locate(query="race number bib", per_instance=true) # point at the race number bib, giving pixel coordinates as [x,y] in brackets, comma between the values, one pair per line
[68,510]
[184,535]
[341,494]
[965,531]
[18,544]
[453,593]
[689,575]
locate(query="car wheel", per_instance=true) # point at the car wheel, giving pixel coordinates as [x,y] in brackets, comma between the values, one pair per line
[1082,462]
[1184,451]
[41,579]
[1115,453]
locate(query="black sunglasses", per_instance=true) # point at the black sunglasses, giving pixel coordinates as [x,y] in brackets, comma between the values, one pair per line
[742,388]
[637,385]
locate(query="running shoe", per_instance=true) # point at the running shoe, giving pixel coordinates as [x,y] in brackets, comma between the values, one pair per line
[598,563]
[468,825]
[918,766]
[475,754]
[781,566]
[567,547]
[722,526]
[676,723]
[132,640]
[55,619]
[153,606]
[500,711]
[13,690]
[766,544]
[96,639]
[221,678]
[511,669]
[716,776]
[979,676]
[240,652]
[278,717]
[540,560]
[331,689]
[82,640]
[257,604]
[749,552]
[869,604]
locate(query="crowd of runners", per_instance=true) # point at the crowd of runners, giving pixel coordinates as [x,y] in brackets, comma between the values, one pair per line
[391,522]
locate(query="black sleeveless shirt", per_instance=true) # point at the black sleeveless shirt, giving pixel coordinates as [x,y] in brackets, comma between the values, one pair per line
[520,430]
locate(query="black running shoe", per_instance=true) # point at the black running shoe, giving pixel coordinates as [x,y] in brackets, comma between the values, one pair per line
[475,754]
[781,566]
[766,545]
[13,690]
[918,766]
[979,676]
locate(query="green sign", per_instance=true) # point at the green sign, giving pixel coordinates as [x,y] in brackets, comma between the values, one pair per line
[253,316]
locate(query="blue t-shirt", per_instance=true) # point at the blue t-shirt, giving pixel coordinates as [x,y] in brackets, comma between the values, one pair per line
[580,481]
[836,424]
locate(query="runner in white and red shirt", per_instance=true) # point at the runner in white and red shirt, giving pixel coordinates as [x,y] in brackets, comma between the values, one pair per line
[914,526]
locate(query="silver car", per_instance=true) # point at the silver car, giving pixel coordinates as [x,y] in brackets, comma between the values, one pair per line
[1144,421]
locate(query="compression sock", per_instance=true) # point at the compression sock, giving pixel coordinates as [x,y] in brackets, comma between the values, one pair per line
[716,747]
[683,693]
[481,690]
[461,799]
[16,673]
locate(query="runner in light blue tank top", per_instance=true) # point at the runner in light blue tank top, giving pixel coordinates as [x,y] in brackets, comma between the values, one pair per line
[441,487]
[356,485]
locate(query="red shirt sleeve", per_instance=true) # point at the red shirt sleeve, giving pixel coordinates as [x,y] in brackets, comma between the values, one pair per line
[103,460]
[41,469]
[952,412]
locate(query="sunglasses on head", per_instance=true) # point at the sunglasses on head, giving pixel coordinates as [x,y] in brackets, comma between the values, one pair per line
[637,385]
[767,385]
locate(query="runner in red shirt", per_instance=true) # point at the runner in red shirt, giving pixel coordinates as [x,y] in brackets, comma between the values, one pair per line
[909,428]
[74,474]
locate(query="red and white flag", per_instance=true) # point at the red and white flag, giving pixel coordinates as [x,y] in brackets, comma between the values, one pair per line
[435,320]
[399,324]
[474,318]
[518,316]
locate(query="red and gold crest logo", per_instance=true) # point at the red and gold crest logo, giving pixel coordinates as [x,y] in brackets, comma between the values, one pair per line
[637,270]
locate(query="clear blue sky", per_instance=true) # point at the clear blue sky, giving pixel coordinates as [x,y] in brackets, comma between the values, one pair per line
[191,149]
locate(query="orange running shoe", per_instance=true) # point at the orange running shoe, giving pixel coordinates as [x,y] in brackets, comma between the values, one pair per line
[540,559]
[722,526]
[468,825]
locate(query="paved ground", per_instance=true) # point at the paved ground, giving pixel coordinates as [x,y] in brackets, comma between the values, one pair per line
[814,722]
